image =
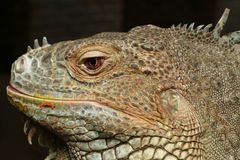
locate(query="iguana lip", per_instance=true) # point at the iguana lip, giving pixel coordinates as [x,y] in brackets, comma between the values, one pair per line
[44,102]
[13,91]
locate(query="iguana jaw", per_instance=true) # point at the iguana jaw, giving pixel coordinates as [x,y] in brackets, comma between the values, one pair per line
[90,122]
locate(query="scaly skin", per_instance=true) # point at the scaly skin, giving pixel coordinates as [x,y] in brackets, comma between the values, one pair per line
[150,93]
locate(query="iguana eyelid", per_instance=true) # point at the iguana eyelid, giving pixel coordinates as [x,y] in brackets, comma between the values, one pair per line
[93,54]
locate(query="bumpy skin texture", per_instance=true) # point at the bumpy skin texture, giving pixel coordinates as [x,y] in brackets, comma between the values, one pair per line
[160,93]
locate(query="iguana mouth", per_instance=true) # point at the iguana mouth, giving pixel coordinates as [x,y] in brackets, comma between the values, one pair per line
[12,90]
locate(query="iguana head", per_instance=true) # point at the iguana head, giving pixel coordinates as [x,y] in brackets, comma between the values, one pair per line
[113,95]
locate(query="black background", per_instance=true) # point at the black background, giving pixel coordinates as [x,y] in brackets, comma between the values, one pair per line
[21,21]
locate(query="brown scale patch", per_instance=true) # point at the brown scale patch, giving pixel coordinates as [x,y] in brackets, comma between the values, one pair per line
[157,64]
[47,105]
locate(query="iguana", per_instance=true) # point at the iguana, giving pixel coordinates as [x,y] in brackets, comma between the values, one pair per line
[150,93]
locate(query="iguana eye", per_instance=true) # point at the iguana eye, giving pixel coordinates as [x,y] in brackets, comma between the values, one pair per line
[93,63]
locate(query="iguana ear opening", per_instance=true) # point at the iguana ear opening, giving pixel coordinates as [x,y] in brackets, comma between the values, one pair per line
[174,106]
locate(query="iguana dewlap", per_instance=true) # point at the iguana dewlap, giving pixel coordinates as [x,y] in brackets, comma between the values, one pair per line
[150,93]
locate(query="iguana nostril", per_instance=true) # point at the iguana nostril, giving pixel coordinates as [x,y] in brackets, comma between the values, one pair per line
[20,65]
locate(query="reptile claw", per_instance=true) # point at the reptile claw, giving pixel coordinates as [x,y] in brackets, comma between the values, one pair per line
[27,126]
[31,133]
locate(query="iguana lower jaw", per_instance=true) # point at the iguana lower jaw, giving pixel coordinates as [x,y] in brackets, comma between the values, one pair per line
[90,131]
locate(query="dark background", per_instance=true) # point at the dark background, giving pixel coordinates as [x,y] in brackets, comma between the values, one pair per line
[24,20]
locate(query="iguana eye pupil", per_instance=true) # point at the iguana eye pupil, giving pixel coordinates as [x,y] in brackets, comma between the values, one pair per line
[93,63]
